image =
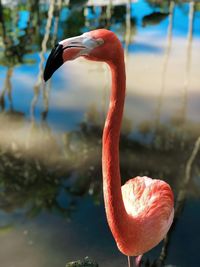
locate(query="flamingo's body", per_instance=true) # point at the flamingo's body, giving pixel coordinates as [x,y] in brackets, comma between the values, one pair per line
[140,212]
[148,203]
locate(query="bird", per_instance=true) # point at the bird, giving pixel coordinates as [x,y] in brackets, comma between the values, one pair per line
[140,212]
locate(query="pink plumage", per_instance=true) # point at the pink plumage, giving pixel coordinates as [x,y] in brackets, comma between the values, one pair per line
[149,203]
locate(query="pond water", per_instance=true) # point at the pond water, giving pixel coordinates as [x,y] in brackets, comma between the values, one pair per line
[51,204]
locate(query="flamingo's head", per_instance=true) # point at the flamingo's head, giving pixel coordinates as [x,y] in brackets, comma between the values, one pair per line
[98,45]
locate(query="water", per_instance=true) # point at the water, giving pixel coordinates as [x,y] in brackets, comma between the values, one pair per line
[51,206]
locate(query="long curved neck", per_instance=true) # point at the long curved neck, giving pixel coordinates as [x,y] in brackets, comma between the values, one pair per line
[114,205]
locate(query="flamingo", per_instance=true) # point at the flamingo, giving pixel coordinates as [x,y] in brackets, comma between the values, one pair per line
[140,212]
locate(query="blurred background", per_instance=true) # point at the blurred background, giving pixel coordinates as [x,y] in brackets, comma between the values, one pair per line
[51,205]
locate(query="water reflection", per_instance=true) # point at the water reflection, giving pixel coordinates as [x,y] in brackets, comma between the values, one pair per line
[180,201]
[188,62]
[39,81]
[166,60]
[154,18]
[50,139]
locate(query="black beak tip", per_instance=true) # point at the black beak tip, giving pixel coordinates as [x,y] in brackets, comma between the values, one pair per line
[54,61]
[46,75]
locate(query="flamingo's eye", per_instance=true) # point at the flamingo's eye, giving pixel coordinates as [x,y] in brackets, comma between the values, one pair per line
[100,41]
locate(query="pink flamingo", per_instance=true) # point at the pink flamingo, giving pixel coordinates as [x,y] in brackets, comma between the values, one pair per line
[140,212]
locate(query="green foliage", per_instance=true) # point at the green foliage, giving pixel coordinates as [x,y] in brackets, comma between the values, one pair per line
[87,262]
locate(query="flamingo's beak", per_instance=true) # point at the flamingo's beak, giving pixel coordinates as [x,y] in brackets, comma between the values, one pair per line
[54,61]
[69,49]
